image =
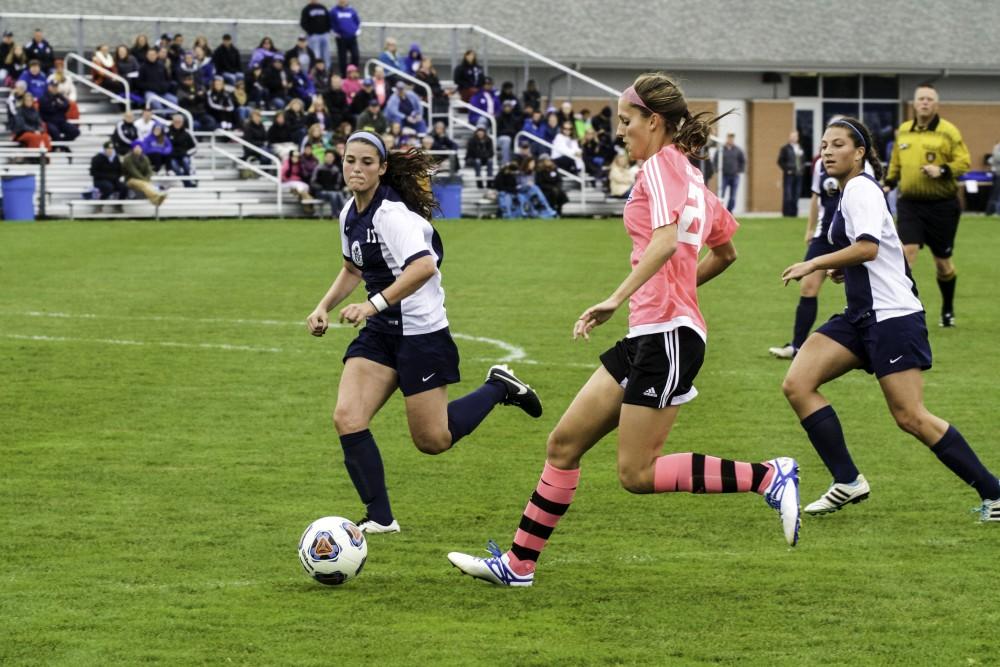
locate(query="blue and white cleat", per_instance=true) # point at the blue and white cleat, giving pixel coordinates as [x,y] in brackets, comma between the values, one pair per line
[495,570]
[783,495]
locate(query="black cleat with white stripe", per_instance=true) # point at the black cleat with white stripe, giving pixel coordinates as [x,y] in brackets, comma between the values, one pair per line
[839,495]
[518,393]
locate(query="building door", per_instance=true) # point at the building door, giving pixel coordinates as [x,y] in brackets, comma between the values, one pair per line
[809,123]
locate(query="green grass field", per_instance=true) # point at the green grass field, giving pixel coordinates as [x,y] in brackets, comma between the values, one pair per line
[165,437]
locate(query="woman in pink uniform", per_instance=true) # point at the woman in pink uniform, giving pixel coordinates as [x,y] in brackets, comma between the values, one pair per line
[645,377]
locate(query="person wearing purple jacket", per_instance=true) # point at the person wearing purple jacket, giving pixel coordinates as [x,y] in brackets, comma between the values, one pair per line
[488,101]
[35,79]
[157,147]
[346,26]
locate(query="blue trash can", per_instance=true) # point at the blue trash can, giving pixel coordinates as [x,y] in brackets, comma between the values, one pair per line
[448,192]
[18,197]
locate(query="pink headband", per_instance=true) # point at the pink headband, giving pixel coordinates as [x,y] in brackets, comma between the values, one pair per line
[632,97]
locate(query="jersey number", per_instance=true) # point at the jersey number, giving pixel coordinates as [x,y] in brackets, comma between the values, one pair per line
[371,236]
[692,220]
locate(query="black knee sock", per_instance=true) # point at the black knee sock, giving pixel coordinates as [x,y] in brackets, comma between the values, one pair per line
[466,413]
[947,287]
[827,437]
[364,465]
[805,318]
[953,451]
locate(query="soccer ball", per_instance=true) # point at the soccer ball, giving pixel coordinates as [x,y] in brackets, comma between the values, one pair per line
[333,550]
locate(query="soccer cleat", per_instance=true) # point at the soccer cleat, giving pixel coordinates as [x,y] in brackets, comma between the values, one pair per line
[783,495]
[518,393]
[786,351]
[370,526]
[989,511]
[839,495]
[947,319]
[495,570]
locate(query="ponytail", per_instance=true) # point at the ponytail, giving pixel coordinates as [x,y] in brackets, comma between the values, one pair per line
[409,173]
[657,93]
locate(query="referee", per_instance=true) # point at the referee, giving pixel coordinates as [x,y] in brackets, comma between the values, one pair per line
[926,163]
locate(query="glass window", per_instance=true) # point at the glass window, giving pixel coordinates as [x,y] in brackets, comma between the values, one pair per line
[882,118]
[842,86]
[831,109]
[803,85]
[884,87]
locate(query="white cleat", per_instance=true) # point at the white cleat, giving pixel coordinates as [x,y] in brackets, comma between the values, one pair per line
[495,570]
[786,351]
[990,511]
[371,527]
[783,495]
[839,495]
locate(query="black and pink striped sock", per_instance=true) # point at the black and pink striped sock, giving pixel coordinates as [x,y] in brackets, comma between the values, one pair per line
[551,499]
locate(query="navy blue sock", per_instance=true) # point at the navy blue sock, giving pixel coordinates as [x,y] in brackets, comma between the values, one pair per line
[947,287]
[466,413]
[805,318]
[364,465]
[823,429]
[953,451]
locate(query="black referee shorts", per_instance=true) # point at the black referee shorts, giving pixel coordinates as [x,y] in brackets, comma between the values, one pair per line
[930,222]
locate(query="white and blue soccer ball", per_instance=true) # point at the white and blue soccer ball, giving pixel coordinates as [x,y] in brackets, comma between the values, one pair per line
[333,550]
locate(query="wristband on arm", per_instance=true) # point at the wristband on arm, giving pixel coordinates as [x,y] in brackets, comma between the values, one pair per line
[378,301]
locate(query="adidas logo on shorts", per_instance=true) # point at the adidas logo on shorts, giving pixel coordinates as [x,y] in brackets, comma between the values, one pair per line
[650,392]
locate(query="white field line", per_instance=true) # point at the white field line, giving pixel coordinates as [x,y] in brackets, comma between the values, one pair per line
[512,353]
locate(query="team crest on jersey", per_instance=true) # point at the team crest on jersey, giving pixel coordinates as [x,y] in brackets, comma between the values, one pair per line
[930,156]
[830,186]
[356,255]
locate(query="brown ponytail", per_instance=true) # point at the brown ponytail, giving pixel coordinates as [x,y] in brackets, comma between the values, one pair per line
[661,95]
[409,173]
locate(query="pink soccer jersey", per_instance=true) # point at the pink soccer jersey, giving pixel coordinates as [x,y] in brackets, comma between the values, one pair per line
[669,191]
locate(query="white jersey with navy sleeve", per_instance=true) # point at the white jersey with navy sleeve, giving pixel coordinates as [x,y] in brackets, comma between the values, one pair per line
[883,287]
[381,242]
[827,188]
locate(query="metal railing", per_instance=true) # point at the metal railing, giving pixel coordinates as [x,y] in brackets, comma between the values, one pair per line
[456,119]
[580,178]
[270,157]
[175,107]
[427,106]
[84,63]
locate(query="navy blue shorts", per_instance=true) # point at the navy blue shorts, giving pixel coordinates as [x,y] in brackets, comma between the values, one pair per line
[819,246]
[422,362]
[657,370]
[886,347]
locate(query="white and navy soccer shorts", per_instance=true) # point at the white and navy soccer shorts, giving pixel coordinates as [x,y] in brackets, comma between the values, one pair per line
[657,370]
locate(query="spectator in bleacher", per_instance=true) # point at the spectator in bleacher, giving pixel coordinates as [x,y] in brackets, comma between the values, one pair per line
[65,86]
[14,101]
[6,48]
[488,103]
[566,114]
[256,92]
[295,117]
[16,63]
[404,108]
[201,42]
[352,84]
[39,49]
[254,133]
[533,201]
[320,77]
[138,173]
[183,149]
[315,22]
[187,65]
[372,119]
[316,141]
[358,103]
[479,153]
[411,61]
[346,26]
[535,126]
[307,162]
[507,92]
[469,76]
[154,80]
[106,171]
[439,135]
[53,108]
[279,136]
[596,154]
[276,84]
[602,121]
[264,53]
[388,55]
[531,97]
[35,79]
[327,183]
[292,179]
[340,135]
[28,128]
[551,129]
[139,47]
[227,60]
[221,105]
[241,101]
[317,114]
[125,134]
[621,178]
[126,66]
[549,181]
[103,59]
[144,124]
[300,86]
[205,72]
[506,186]
[566,151]
[582,123]
[382,86]
[336,103]
[509,123]
[302,53]
[428,75]
[193,98]
[158,147]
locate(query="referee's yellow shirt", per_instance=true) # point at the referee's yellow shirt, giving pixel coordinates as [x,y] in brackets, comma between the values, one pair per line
[939,143]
